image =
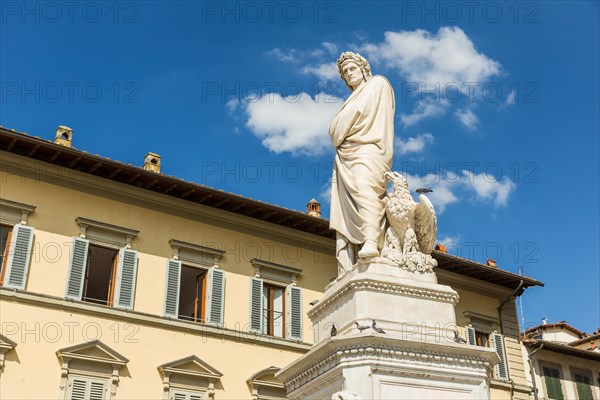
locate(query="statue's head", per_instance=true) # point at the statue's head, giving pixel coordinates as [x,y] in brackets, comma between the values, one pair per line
[350,62]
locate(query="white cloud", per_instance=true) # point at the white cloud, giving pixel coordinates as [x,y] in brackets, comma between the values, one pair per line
[423,110]
[468,118]
[487,187]
[330,47]
[326,71]
[296,124]
[413,144]
[290,56]
[511,98]
[449,188]
[449,240]
[446,57]
[232,105]
[325,194]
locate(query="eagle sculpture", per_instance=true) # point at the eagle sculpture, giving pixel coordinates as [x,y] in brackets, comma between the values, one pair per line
[412,226]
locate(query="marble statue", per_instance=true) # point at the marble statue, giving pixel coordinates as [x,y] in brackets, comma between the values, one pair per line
[410,236]
[362,133]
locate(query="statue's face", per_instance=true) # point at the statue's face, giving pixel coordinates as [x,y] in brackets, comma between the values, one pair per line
[352,73]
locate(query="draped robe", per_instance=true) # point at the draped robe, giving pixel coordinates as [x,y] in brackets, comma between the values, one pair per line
[362,133]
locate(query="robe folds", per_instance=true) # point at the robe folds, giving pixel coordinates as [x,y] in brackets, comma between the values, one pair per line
[362,133]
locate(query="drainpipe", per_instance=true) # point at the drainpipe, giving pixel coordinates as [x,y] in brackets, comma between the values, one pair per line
[530,361]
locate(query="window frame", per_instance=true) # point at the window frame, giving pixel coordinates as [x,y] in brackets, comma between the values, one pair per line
[90,380]
[545,364]
[125,271]
[584,373]
[4,262]
[203,295]
[269,310]
[111,359]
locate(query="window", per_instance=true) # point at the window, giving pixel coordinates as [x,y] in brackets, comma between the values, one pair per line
[275,310]
[5,233]
[275,300]
[188,378]
[193,293]
[273,323]
[552,381]
[265,386]
[102,275]
[96,377]
[15,253]
[186,395]
[494,340]
[583,383]
[82,388]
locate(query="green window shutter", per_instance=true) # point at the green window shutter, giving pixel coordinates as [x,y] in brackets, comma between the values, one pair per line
[172,288]
[126,276]
[256,305]
[502,368]
[553,386]
[215,296]
[584,388]
[471,338]
[19,255]
[294,312]
[77,266]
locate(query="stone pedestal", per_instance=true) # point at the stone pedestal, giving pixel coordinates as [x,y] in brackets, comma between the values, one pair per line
[405,347]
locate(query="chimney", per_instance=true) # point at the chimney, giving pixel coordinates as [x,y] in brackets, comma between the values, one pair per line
[491,263]
[441,247]
[64,136]
[313,208]
[544,321]
[152,162]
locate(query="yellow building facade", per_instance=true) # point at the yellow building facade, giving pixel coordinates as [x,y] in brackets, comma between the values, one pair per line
[119,282]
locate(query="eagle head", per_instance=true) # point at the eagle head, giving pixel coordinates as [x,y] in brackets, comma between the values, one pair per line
[398,180]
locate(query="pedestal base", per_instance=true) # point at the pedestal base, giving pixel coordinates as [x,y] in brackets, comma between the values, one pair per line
[377,367]
[382,332]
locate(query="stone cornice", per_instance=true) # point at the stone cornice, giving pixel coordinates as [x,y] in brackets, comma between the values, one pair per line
[378,350]
[376,285]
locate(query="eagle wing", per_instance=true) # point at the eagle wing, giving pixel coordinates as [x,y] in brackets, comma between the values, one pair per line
[425,225]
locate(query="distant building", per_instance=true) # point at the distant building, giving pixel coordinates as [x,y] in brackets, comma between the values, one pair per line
[564,362]
[121,282]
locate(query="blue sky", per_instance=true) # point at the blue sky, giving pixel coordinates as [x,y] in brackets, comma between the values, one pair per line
[496,110]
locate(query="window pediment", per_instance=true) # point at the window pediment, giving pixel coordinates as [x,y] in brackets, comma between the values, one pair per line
[84,354]
[104,233]
[195,253]
[274,272]
[13,213]
[6,345]
[192,366]
[94,351]
[264,385]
